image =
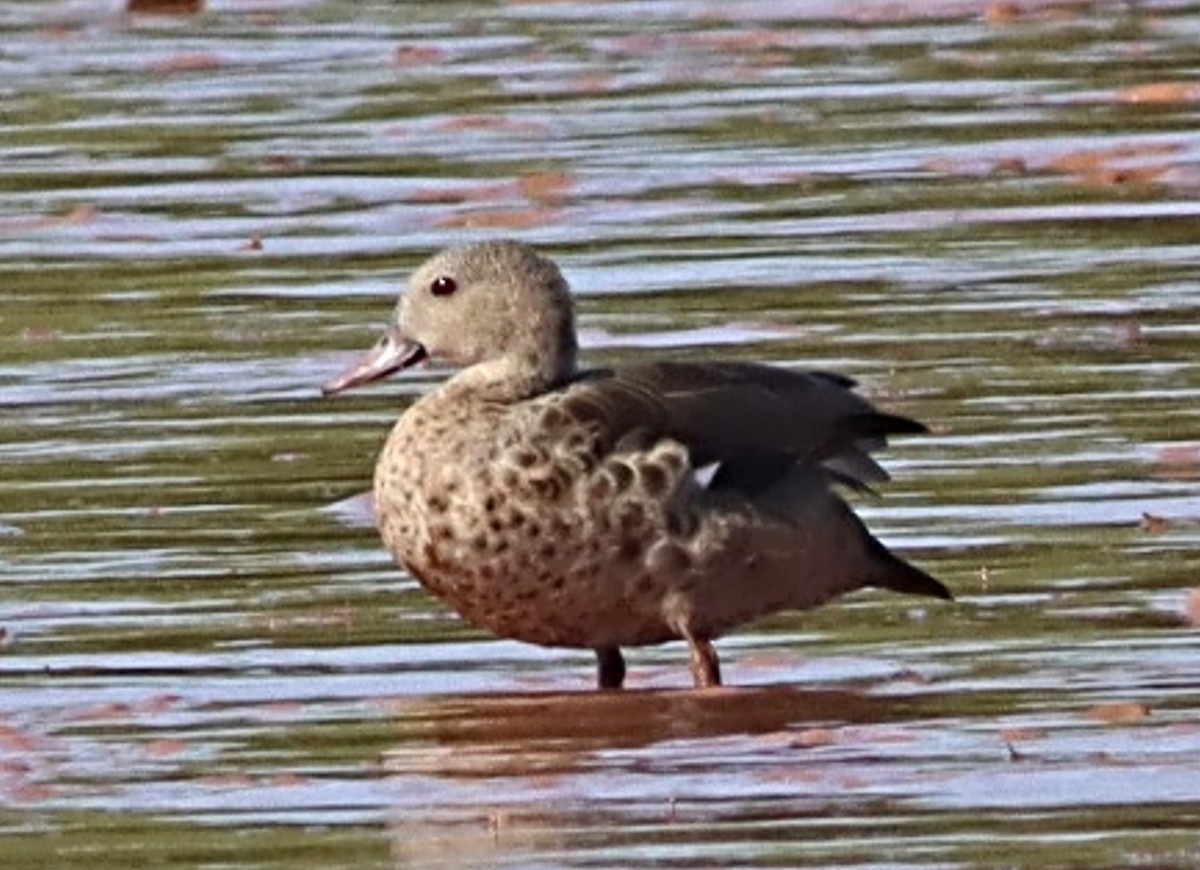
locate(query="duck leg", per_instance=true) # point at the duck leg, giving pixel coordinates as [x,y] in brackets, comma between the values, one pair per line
[610,673]
[706,667]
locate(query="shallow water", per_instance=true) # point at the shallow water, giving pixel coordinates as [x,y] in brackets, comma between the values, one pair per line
[986,213]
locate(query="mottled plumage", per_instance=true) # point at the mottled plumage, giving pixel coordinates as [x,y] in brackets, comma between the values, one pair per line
[611,508]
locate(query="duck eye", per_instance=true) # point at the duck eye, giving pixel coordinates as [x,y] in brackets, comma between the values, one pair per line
[443,286]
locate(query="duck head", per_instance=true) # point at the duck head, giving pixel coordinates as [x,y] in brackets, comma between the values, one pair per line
[497,309]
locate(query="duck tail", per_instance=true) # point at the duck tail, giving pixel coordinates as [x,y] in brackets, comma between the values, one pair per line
[899,576]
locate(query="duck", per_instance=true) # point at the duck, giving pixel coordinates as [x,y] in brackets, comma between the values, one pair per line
[606,508]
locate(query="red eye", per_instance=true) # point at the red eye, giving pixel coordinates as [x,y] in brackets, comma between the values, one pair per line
[443,286]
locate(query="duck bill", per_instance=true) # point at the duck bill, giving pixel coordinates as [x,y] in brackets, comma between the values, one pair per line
[389,355]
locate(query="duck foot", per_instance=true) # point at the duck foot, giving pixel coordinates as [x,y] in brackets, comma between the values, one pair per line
[706,667]
[610,673]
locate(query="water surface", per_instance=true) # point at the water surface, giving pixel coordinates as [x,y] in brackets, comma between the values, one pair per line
[986,213]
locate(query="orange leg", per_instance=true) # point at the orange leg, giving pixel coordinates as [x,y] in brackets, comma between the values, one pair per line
[706,667]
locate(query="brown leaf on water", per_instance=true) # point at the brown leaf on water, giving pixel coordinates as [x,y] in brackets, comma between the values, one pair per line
[1118,177]
[167,747]
[1182,455]
[1082,160]
[1007,12]
[1160,92]
[417,55]
[545,187]
[81,214]
[1180,461]
[1001,12]
[254,243]
[1118,165]
[1091,159]
[189,62]
[507,219]
[1154,524]
[483,123]
[1017,735]
[1191,608]
[1119,711]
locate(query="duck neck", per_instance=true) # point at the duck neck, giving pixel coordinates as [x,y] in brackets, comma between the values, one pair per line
[517,376]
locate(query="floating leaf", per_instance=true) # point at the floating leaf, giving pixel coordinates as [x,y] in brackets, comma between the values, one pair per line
[189,62]
[1161,92]
[1120,711]
[1191,607]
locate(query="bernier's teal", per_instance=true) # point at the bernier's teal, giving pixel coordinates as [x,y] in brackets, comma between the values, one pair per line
[613,507]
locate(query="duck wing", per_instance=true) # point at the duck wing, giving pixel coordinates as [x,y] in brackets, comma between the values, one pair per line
[753,421]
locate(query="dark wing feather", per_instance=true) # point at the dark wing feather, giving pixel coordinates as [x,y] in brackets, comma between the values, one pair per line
[752,419]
